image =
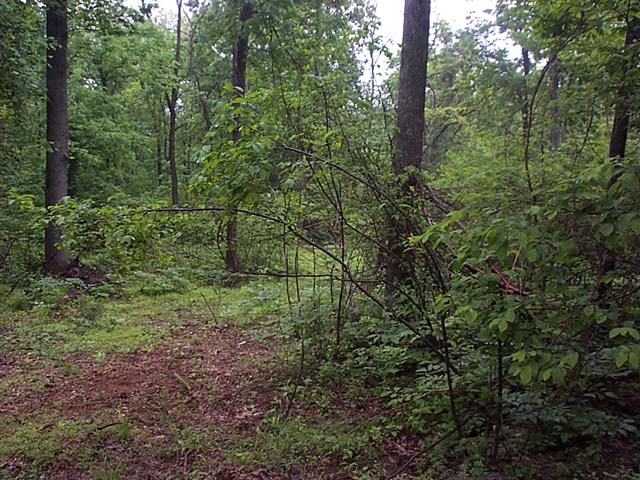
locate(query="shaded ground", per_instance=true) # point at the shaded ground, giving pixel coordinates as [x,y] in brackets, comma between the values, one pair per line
[203,400]
[200,384]
[164,386]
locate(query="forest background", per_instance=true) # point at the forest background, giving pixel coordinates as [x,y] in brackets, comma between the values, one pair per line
[478,273]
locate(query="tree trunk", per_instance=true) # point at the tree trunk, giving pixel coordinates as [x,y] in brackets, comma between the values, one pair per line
[409,141]
[239,81]
[173,101]
[56,260]
[618,140]
[555,135]
[526,114]
[164,137]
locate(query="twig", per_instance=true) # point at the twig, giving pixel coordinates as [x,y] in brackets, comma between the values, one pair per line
[215,318]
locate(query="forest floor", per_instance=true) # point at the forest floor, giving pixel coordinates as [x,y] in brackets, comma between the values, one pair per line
[144,382]
[166,386]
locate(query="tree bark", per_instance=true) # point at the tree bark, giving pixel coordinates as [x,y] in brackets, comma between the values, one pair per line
[409,141]
[173,101]
[56,259]
[526,113]
[618,140]
[239,82]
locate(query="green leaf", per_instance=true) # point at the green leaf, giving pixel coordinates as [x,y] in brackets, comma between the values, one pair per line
[503,325]
[531,254]
[519,356]
[630,182]
[606,229]
[621,357]
[510,315]
[571,359]
[558,374]
[623,332]
[526,374]
[634,360]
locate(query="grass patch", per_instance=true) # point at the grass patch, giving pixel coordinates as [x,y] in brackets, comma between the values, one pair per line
[69,331]
[287,444]
[252,302]
[109,472]
[131,313]
[41,440]
[99,322]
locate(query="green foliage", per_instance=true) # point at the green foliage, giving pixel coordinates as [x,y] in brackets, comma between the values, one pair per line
[21,231]
[522,310]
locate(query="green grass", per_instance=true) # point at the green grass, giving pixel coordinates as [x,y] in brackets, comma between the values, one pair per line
[118,318]
[28,383]
[42,439]
[140,312]
[68,330]
[284,444]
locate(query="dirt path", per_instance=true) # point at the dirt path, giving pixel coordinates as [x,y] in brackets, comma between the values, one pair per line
[150,414]
[190,399]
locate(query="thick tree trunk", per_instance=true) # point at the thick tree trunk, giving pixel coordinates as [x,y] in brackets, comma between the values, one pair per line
[173,101]
[56,260]
[239,81]
[409,141]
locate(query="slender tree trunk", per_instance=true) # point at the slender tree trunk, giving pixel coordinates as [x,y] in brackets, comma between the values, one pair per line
[239,81]
[164,137]
[618,140]
[172,154]
[556,127]
[56,260]
[173,101]
[409,141]
[526,114]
